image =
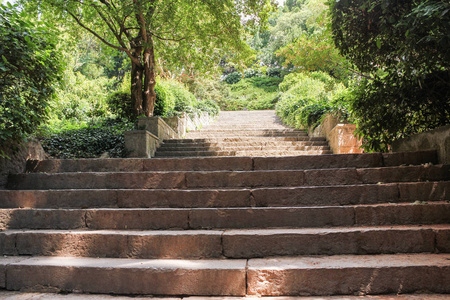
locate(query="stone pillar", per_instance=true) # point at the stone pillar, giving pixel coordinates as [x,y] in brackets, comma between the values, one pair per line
[140,143]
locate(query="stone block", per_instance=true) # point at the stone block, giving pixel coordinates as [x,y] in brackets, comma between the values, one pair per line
[119,276]
[387,214]
[410,158]
[46,219]
[326,195]
[184,198]
[140,219]
[424,191]
[58,199]
[437,139]
[331,177]
[158,128]
[141,143]
[199,164]
[337,275]
[270,217]
[244,179]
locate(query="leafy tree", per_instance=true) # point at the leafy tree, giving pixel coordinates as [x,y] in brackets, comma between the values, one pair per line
[402,47]
[29,67]
[182,31]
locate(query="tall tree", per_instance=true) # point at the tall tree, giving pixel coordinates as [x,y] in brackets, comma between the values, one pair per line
[182,31]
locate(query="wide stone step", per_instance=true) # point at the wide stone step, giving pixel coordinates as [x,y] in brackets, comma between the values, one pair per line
[261,143]
[239,243]
[219,179]
[349,274]
[125,276]
[332,275]
[216,218]
[244,139]
[280,152]
[243,134]
[193,147]
[233,163]
[14,295]
[210,198]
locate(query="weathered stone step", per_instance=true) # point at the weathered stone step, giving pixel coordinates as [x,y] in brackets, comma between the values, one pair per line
[218,179]
[193,147]
[261,143]
[258,197]
[349,274]
[244,139]
[332,275]
[125,276]
[242,153]
[250,130]
[222,135]
[217,218]
[201,244]
[14,295]
[233,163]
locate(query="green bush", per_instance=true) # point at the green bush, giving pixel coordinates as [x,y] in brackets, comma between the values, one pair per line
[233,78]
[89,142]
[165,99]
[208,106]
[119,103]
[308,97]
[29,67]
[250,73]
[256,93]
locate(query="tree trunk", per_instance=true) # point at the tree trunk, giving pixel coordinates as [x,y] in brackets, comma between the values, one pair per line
[137,72]
[149,79]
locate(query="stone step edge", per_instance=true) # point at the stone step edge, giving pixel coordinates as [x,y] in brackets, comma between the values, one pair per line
[310,196]
[232,244]
[437,212]
[407,273]
[219,179]
[237,163]
[11,295]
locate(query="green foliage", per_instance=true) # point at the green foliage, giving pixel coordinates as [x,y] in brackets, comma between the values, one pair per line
[165,99]
[89,142]
[307,97]
[119,103]
[254,93]
[29,68]
[391,108]
[402,46]
[249,73]
[233,78]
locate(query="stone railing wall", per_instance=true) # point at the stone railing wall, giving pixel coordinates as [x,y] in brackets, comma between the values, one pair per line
[437,139]
[339,135]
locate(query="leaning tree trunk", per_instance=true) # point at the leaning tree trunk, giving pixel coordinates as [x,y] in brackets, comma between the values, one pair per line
[149,79]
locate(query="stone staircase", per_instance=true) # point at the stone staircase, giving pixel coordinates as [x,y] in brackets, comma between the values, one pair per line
[351,224]
[245,133]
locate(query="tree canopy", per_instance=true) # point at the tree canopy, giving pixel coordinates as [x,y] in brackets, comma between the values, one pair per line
[185,32]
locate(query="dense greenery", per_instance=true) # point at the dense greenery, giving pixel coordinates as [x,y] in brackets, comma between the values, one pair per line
[402,49]
[102,138]
[307,97]
[29,68]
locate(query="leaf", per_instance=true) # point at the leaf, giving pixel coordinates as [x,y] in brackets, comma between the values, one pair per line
[378,43]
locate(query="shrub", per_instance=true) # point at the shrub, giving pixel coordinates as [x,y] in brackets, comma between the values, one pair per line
[89,142]
[274,72]
[165,99]
[250,73]
[120,104]
[307,98]
[233,78]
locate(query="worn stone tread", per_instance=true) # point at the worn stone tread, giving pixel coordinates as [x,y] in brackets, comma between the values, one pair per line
[228,197]
[128,276]
[239,243]
[11,295]
[211,218]
[217,179]
[349,274]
